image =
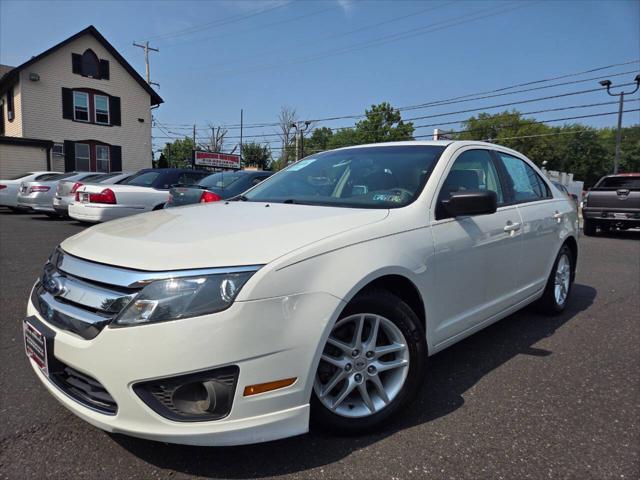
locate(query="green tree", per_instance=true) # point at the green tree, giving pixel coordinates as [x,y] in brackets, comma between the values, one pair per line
[162,161]
[256,155]
[179,152]
[383,123]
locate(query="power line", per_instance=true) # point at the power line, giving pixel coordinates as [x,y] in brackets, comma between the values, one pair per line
[253,29]
[416,127]
[452,99]
[506,126]
[470,110]
[452,22]
[327,38]
[216,23]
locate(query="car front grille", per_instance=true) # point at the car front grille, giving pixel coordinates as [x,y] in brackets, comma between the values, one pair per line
[84,389]
[68,298]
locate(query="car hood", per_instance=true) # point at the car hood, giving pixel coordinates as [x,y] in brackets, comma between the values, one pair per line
[221,234]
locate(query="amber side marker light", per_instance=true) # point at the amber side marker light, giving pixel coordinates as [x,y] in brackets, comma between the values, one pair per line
[267,387]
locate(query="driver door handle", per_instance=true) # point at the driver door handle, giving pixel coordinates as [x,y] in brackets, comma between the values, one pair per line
[512,227]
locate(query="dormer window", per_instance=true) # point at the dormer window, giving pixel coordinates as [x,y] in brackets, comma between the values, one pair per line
[89,65]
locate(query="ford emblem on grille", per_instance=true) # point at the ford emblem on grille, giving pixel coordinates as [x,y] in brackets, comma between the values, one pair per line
[54,285]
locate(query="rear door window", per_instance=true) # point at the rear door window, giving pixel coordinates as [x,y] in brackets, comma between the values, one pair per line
[524,182]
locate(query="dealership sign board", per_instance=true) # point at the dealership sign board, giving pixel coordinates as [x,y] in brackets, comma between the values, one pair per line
[216,160]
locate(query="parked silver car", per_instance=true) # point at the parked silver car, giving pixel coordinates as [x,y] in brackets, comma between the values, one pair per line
[66,192]
[9,187]
[38,196]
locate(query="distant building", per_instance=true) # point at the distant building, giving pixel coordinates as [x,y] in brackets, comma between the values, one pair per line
[77,106]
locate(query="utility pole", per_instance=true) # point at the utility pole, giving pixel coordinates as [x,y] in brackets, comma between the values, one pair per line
[146,49]
[607,84]
[194,135]
[300,129]
[241,119]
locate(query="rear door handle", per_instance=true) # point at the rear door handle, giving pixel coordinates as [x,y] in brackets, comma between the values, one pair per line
[512,227]
[557,216]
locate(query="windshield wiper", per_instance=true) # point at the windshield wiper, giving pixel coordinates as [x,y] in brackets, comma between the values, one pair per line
[240,198]
[289,200]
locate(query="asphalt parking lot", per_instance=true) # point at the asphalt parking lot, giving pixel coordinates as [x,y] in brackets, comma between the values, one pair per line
[529,397]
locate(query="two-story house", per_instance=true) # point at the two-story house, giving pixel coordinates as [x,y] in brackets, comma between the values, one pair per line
[77,106]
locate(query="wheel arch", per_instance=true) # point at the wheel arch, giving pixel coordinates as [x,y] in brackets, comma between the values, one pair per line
[402,287]
[572,243]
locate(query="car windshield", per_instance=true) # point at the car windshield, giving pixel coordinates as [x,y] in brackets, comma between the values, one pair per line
[632,183]
[142,179]
[365,177]
[220,180]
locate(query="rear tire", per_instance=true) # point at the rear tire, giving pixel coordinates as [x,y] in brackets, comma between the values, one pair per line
[356,365]
[556,293]
[589,227]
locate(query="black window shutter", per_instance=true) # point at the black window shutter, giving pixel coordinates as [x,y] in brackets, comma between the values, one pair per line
[69,156]
[76,63]
[116,158]
[114,110]
[104,69]
[67,103]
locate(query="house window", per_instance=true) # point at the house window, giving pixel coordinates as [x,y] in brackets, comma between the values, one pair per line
[81,106]
[58,149]
[90,64]
[83,157]
[101,103]
[102,158]
[10,112]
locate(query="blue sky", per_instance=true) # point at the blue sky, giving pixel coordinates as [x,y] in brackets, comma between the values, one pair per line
[333,58]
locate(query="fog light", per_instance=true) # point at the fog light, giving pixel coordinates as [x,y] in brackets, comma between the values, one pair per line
[193,397]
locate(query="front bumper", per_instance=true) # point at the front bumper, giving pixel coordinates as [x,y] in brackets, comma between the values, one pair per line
[268,339]
[97,213]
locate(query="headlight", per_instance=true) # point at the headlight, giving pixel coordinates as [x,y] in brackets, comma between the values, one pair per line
[176,298]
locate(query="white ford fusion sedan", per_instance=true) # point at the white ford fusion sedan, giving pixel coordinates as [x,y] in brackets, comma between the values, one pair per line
[317,296]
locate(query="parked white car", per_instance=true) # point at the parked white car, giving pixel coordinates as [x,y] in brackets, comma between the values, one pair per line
[320,295]
[66,190]
[145,191]
[9,187]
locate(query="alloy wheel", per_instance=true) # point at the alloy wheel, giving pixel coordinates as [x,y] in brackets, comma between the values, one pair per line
[562,279]
[363,366]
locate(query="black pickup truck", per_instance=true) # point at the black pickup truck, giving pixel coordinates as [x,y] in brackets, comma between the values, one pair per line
[614,202]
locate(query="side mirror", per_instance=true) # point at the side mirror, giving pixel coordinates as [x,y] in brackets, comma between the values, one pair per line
[461,204]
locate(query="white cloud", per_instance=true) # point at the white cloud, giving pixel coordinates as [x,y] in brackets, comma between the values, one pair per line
[346,5]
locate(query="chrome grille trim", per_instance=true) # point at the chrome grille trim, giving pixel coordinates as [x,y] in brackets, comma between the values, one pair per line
[123,277]
[94,297]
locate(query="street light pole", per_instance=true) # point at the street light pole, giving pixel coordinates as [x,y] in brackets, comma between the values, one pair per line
[607,84]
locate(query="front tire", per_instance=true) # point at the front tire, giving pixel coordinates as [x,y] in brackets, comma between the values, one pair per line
[556,293]
[372,364]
